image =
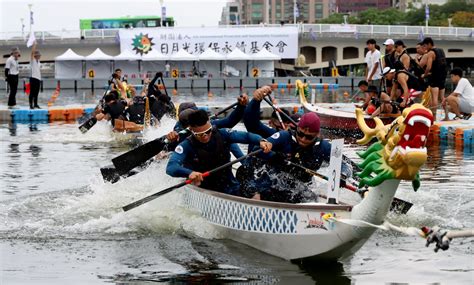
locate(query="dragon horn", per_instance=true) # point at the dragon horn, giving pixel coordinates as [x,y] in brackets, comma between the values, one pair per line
[368,132]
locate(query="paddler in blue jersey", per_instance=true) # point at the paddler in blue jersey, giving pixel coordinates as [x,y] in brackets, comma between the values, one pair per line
[278,180]
[185,109]
[207,148]
[252,116]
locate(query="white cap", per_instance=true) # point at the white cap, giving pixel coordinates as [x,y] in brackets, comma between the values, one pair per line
[387,70]
[388,42]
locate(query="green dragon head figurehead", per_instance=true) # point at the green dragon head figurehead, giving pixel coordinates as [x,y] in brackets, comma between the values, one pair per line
[400,150]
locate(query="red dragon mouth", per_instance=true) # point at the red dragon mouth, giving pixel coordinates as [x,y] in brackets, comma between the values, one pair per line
[418,123]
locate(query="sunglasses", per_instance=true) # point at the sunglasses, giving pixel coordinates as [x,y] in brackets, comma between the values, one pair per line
[308,137]
[203,133]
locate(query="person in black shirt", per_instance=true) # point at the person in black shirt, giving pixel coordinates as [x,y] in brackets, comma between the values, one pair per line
[113,109]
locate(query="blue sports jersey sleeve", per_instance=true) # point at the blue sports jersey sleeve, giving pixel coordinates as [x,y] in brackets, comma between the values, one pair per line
[175,166]
[281,141]
[325,150]
[231,120]
[252,120]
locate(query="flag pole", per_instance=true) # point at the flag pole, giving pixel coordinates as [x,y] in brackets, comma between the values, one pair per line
[294,12]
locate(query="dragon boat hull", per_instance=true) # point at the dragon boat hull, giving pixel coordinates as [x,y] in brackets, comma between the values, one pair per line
[340,120]
[289,231]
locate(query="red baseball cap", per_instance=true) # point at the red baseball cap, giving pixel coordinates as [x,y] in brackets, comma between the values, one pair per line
[310,121]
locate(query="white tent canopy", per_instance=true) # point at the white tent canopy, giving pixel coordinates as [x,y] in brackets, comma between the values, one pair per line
[68,65]
[237,54]
[126,55]
[183,55]
[264,54]
[69,55]
[154,55]
[98,54]
[100,64]
[209,63]
[210,54]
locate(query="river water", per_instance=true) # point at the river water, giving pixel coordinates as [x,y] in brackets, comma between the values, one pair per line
[59,222]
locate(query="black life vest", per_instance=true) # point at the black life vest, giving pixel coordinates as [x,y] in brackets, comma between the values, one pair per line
[439,64]
[209,156]
[413,82]
[136,113]
[414,67]
[309,157]
[390,60]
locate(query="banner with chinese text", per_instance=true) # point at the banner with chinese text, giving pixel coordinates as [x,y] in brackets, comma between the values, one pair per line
[282,41]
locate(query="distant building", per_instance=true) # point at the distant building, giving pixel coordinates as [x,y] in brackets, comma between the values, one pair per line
[231,14]
[355,6]
[282,11]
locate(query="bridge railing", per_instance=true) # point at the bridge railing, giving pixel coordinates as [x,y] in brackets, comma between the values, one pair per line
[322,29]
[387,30]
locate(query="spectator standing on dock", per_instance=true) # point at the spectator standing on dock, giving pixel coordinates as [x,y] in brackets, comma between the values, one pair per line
[435,71]
[35,78]
[372,59]
[11,76]
[167,69]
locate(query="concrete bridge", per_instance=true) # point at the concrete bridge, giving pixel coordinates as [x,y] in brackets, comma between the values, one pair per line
[320,43]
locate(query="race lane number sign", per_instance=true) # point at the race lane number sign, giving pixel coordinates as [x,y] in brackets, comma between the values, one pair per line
[91,73]
[255,72]
[334,176]
[175,73]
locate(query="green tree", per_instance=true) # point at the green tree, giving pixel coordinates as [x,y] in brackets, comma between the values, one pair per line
[338,18]
[463,19]
[374,16]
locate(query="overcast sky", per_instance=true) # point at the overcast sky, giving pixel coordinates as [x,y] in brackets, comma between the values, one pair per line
[55,15]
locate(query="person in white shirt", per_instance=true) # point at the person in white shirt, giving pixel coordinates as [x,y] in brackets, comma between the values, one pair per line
[372,59]
[167,69]
[35,79]
[461,101]
[11,75]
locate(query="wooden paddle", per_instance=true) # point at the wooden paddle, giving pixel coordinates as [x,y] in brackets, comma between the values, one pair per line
[188,181]
[398,205]
[137,156]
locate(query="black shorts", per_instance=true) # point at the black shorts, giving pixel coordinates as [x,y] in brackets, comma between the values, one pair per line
[437,81]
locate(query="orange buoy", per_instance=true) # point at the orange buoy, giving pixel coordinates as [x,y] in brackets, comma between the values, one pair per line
[209,94]
[175,92]
[346,94]
[282,91]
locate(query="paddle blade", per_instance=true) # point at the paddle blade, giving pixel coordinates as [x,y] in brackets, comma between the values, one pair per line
[400,206]
[110,174]
[87,125]
[137,156]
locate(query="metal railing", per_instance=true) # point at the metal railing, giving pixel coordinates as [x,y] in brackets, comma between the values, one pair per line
[304,29]
[388,30]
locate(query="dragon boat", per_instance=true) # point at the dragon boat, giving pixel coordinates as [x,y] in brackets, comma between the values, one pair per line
[317,230]
[334,119]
